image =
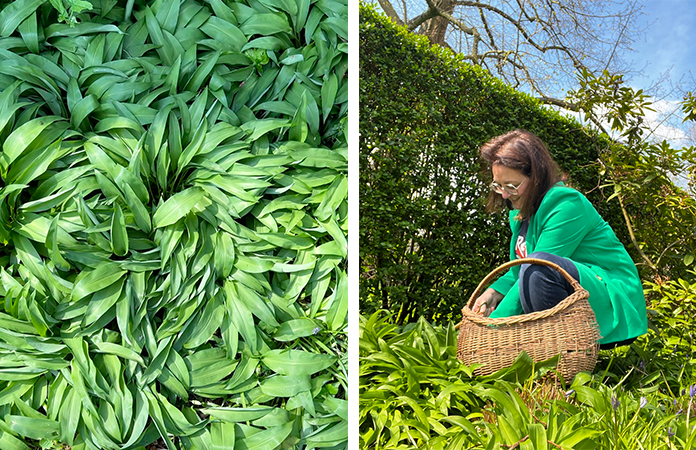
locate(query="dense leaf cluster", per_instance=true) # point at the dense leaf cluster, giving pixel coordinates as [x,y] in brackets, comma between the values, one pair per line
[425,239]
[173,217]
[414,393]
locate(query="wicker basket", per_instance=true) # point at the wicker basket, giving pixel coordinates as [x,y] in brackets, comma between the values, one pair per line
[569,329]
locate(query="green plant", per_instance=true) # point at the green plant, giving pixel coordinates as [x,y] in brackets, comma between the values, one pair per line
[173,217]
[640,174]
[69,9]
[415,393]
[663,359]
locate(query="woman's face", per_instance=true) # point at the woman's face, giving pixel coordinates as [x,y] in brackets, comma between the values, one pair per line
[506,176]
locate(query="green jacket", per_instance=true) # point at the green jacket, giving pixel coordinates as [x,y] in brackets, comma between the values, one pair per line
[567,225]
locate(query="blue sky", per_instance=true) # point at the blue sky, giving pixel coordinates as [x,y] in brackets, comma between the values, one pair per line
[668,42]
[667,46]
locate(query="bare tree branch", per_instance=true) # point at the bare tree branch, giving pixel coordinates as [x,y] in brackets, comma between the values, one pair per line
[390,11]
[523,31]
[560,103]
[537,46]
[420,19]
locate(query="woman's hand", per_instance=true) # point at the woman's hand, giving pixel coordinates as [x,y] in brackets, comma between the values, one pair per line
[487,302]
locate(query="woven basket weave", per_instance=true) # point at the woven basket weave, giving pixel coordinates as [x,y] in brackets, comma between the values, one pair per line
[569,329]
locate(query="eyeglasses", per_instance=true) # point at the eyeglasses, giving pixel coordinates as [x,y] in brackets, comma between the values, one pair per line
[509,188]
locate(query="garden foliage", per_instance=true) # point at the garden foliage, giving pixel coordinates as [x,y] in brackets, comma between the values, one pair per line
[425,238]
[173,221]
[640,172]
[414,393]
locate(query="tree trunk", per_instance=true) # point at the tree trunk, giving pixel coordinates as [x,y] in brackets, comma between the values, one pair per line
[436,28]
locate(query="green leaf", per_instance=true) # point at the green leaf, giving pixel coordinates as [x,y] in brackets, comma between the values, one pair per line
[119,350]
[102,301]
[140,213]
[296,328]
[80,29]
[244,372]
[9,442]
[21,138]
[222,435]
[178,206]
[157,360]
[578,435]
[28,29]
[537,435]
[258,128]
[141,419]
[213,373]
[285,386]
[253,265]
[240,316]
[296,362]
[82,109]
[265,24]
[289,6]
[15,13]
[119,234]
[33,165]
[337,233]
[328,94]
[255,304]
[265,440]
[334,196]
[91,281]
[287,241]
[331,435]
[52,245]
[238,414]
[69,416]
[338,26]
[202,72]
[209,321]
[225,32]
[33,428]
[337,314]
[168,14]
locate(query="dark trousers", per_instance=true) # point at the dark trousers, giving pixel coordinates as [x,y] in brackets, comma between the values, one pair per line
[543,287]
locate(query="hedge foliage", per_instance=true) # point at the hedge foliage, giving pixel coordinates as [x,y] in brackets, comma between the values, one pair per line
[173,217]
[425,239]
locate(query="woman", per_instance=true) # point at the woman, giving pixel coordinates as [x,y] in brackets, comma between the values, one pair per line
[558,224]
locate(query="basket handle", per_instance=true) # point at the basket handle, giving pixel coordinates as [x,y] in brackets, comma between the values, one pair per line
[517,262]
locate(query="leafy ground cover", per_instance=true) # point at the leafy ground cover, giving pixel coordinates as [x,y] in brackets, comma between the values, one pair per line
[173,221]
[414,393]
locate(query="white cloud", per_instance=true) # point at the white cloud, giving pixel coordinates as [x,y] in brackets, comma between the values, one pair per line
[666,123]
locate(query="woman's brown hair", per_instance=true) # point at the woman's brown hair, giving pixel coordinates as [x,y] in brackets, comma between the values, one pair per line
[525,152]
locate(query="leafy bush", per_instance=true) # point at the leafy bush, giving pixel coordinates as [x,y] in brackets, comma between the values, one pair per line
[664,358]
[173,213]
[425,240]
[415,393]
[640,172]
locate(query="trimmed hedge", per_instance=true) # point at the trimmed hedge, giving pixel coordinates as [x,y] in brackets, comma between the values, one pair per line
[425,238]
